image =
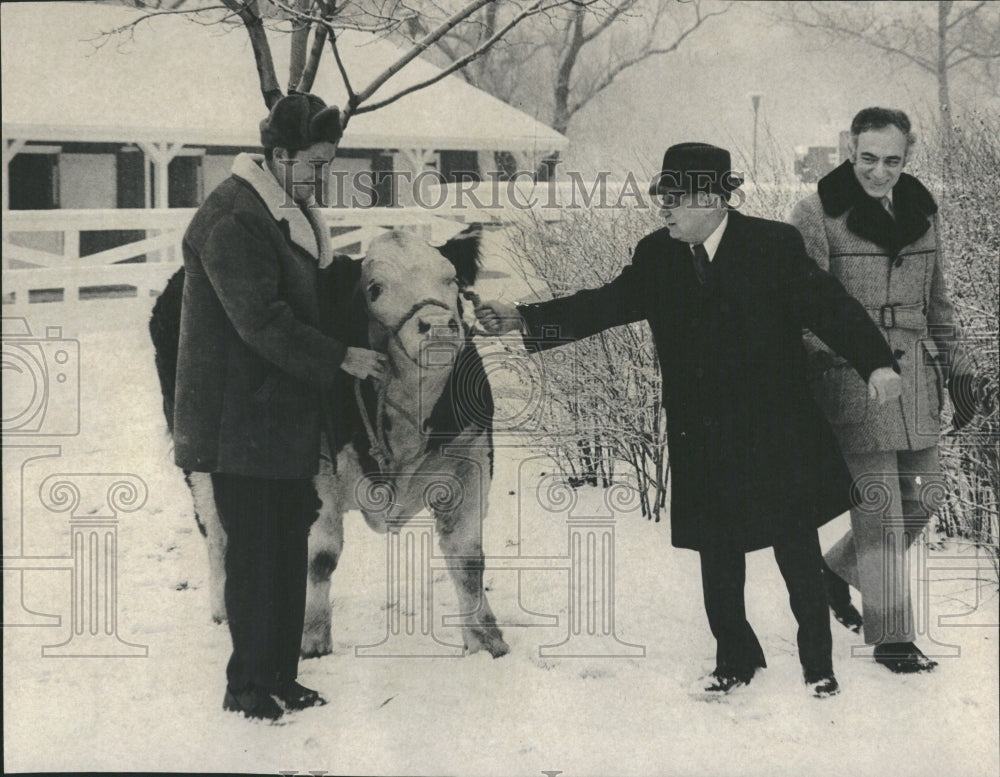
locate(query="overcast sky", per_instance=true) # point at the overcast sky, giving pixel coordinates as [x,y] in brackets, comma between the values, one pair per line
[810,92]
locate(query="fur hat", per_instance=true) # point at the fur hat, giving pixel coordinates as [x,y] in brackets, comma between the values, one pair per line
[298,120]
[693,167]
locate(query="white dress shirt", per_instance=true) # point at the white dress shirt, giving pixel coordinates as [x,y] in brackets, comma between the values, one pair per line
[712,241]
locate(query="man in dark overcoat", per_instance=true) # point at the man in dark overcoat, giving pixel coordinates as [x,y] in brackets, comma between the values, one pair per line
[755,463]
[252,366]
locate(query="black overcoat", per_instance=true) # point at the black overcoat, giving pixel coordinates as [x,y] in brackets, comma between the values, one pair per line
[751,454]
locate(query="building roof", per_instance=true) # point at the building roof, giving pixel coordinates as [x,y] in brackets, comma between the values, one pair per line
[178,80]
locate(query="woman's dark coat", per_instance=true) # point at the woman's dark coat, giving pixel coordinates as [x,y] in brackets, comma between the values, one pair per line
[751,453]
[252,361]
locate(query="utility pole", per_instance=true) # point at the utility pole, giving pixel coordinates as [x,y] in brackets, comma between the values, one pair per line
[755,99]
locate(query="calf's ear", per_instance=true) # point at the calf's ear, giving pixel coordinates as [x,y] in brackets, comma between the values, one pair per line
[463,252]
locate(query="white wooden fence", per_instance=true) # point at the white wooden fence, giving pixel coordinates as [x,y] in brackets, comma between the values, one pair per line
[42,262]
[41,250]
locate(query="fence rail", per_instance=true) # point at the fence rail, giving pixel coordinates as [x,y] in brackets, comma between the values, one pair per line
[134,251]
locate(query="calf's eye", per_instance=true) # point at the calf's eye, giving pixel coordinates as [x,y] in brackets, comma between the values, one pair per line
[374,291]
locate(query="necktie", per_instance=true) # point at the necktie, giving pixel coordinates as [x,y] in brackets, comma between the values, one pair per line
[701,263]
[887,204]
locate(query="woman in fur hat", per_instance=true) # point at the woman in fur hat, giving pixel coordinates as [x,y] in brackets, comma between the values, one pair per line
[252,366]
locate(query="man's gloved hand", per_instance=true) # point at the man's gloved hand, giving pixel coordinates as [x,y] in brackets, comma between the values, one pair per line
[884,385]
[968,393]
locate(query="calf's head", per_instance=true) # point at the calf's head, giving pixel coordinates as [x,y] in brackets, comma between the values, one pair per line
[411,290]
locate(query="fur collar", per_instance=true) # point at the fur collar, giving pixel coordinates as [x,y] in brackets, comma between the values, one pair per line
[305,224]
[840,192]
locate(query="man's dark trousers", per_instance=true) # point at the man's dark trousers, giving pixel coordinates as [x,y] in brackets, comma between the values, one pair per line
[267,524]
[723,573]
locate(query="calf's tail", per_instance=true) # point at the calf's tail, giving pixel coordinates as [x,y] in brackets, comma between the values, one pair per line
[165,331]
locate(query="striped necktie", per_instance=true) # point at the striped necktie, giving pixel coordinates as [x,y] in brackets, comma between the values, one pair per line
[701,263]
[887,205]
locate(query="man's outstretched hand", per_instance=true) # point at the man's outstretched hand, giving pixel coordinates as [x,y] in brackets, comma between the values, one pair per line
[498,318]
[885,385]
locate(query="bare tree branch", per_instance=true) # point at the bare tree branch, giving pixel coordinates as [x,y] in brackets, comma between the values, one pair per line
[298,45]
[308,77]
[352,97]
[612,72]
[171,12]
[966,13]
[419,48]
[250,15]
[868,33]
[537,7]
[608,20]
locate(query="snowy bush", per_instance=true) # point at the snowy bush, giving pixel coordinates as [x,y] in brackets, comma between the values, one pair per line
[607,396]
[966,182]
[602,421]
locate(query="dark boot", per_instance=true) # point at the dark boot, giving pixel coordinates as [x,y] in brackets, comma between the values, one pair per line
[838,596]
[822,686]
[298,697]
[253,703]
[903,658]
[720,683]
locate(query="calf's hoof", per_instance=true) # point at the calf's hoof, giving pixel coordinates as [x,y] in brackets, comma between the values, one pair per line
[316,643]
[490,640]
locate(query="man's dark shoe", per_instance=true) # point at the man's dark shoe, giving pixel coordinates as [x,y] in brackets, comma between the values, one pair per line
[903,658]
[298,697]
[823,687]
[253,703]
[838,596]
[719,683]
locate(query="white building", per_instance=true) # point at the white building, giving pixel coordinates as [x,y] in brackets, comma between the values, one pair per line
[153,118]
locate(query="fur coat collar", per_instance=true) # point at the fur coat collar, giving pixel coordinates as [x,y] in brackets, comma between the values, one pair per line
[840,192]
[306,227]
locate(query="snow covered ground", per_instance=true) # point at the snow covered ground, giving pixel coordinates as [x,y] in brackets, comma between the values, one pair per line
[523,714]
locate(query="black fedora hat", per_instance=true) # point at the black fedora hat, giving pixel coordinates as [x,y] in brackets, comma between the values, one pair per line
[696,167]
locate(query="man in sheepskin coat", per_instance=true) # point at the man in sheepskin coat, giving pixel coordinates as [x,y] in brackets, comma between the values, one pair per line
[754,462]
[875,228]
[252,365]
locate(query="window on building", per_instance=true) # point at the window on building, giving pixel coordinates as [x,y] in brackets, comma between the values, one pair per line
[381,165]
[103,176]
[460,166]
[184,188]
[185,182]
[130,171]
[34,180]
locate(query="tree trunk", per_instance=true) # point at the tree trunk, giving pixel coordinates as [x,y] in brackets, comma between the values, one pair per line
[561,113]
[248,13]
[944,99]
[298,47]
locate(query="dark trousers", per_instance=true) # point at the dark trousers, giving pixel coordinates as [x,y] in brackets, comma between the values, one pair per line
[723,574]
[267,524]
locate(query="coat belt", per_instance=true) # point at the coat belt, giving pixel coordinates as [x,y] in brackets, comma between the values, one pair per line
[909,316]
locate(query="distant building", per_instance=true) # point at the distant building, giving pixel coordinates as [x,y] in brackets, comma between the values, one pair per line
[814,162]
[845,141]
[155,120]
